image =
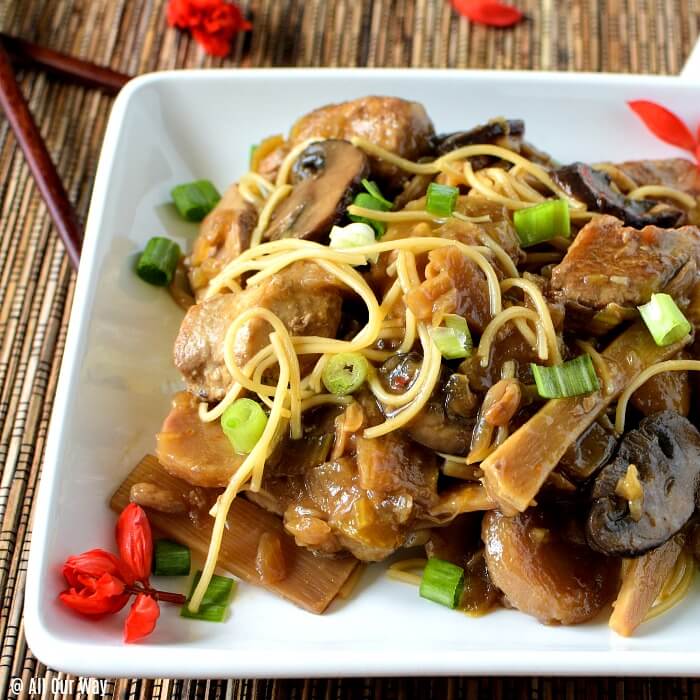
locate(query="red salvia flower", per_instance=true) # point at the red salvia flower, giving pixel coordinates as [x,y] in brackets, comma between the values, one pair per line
[668,127]
[97,585]
[101,583]
[213,23]
[141,620]
[489,12]
[135,541]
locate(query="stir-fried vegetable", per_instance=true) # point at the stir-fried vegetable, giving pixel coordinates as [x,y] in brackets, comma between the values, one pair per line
[572,378]
[453,340]
[170,559]
[352,236]
[194,200]
[442,582]
[243,423]
[215,602]
[158,261]
[441,199]
[543,222]
[345,373]
[371,199]
[664,319]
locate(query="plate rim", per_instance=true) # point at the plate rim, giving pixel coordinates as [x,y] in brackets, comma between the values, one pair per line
[126,660]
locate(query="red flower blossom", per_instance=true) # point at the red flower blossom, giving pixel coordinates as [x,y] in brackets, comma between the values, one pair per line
[135,541]
[492,13]
[213,23]
[667,126]
[97,584]
[101,583]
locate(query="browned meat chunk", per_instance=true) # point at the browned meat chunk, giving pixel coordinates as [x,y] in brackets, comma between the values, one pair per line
[543,574]
[679,173]
[366,500]
[196,452]
[223,235]
[401,127]
[610,264]
[453,284]
[303,296]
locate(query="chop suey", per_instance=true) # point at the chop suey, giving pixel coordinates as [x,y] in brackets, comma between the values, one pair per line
[447,344]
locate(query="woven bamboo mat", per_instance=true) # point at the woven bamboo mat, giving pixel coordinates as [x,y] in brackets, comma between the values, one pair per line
[36,283]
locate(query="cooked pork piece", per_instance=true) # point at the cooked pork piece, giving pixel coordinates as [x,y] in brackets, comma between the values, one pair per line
[397,125]
[223,235]
[365,500]
[679,173]
[197,452]
[611,265]
[305,298]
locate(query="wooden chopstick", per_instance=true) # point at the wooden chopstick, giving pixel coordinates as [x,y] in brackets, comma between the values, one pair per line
[64,66]
[32,144]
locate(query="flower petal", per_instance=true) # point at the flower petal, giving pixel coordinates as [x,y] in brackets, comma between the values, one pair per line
[664,124]
[135,541]
[492,13]
[141,620]
[93,564]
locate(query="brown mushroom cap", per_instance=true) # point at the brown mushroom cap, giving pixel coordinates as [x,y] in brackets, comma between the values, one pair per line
[447,421]
[325,178]
[594,188]
[666,452]
[510,131]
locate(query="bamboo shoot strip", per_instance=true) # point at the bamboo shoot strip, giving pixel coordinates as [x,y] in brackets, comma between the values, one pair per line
[642,582]
[515,471]
[311,582]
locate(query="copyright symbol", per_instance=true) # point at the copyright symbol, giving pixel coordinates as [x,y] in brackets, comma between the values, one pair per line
[16,685]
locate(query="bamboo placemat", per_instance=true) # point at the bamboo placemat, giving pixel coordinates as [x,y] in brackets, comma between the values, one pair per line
[36,284]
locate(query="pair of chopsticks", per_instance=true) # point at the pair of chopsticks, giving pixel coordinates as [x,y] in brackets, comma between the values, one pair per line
[27,133]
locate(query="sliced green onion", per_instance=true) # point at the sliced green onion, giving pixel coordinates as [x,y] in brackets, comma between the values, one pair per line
[215,601]
[367,201]
[170,559]
[353,235]
[158,261]
[243,423]
[374,190]
[194,200]
[572,378]
[543,222]
[454,339]
[442,582]
[441,199]
[345,373]
[664,319]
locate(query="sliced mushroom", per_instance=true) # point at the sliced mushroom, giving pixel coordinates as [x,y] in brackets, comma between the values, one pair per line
[665,451]
[542,574]
[594,189]
[508,132]
[447,421]
[589,453]
[325,177]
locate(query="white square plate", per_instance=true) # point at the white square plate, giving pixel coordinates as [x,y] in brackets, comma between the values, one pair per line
[117,379]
